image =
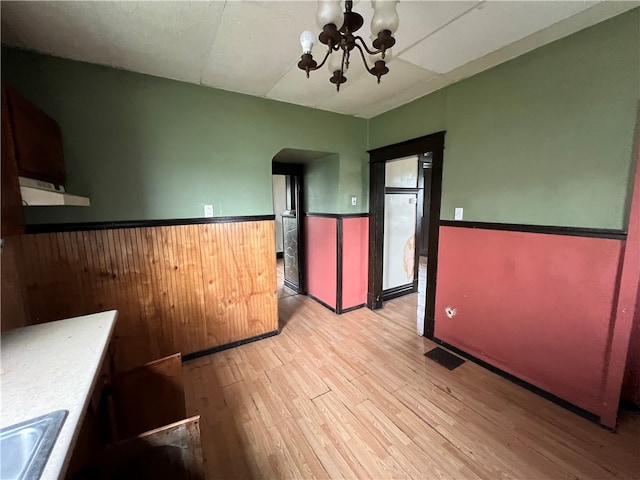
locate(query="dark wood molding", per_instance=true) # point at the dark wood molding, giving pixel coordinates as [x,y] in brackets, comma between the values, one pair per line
[336,215]
[435,199]
[351,309]
[376,232]
[546,229]
[79,227]
[339,265]
[324,304]
[428,143]
[400,291]
[227,346]
[424,199]
[537,390]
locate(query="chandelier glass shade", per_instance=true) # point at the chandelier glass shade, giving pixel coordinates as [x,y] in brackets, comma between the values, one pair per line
[339,35]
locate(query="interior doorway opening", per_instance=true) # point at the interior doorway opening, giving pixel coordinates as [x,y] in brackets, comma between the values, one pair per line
[404,211]
[288,179]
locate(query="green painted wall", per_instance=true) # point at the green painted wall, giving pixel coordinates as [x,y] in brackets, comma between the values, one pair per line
[320,182]
[148,148]
[546,138]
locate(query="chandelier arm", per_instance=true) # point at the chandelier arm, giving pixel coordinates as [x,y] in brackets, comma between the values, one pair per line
[366,65]
[324,59]
[364,44]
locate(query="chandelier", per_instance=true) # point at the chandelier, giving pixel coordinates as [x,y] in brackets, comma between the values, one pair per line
[338,33]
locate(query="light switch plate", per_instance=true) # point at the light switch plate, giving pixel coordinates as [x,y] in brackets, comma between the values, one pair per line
[354,201]
[458,213]
[208,210]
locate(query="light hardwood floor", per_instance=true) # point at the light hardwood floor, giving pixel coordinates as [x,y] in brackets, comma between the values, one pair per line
[352,396]
[409,308]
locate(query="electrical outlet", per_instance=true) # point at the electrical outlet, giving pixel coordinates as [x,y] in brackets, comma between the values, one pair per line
[457,215]
[354,201]
[208,210]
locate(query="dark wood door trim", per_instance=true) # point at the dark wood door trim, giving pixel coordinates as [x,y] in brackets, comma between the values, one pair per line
[423,205]
[416,146]
[295,195]
[433,143]
[376,231]
[434,234]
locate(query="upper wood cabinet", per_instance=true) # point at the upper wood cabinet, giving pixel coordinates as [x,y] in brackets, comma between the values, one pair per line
[12,215]
[36,139]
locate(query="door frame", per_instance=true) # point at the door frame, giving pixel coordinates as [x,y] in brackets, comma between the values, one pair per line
[433,143]
[295,196]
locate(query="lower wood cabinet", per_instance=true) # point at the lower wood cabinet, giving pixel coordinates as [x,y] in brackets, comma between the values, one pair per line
[136,428]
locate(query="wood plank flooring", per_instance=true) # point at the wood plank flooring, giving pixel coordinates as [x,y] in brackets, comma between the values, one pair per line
[408,310]
[352,396]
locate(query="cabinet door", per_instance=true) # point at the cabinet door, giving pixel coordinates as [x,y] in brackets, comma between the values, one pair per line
[36,138]
[12,216]
[149,396]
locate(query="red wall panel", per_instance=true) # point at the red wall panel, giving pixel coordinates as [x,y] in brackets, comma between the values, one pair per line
[355,255]
[631,386]
[538,306]
[321,255]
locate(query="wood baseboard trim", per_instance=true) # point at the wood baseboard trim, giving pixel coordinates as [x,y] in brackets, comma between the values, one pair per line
[227,346]
[518,381]
[351,309]
[326,305]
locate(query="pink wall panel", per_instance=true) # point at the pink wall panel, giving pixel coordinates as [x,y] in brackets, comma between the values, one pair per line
[321,255]
[629,286]
[355,255]
[537,306]
[631,386]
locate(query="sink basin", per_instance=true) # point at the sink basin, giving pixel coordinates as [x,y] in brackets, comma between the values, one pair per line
[25,447]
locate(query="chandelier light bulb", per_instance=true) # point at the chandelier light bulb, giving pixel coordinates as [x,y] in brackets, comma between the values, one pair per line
[306,40]
[385,16]
[339,34]
[329,11]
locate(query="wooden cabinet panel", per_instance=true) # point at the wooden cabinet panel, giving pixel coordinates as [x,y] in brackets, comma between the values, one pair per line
[12,215]
[37,140]
[149,396]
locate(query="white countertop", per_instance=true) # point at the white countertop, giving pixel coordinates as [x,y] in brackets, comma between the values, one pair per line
[53,366]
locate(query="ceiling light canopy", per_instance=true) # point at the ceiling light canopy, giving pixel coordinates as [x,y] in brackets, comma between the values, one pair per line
[338,33]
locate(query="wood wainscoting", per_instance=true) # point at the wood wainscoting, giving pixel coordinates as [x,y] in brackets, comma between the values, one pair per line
[177,288]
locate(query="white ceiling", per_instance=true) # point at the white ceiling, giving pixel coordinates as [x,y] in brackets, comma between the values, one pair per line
[252,47]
